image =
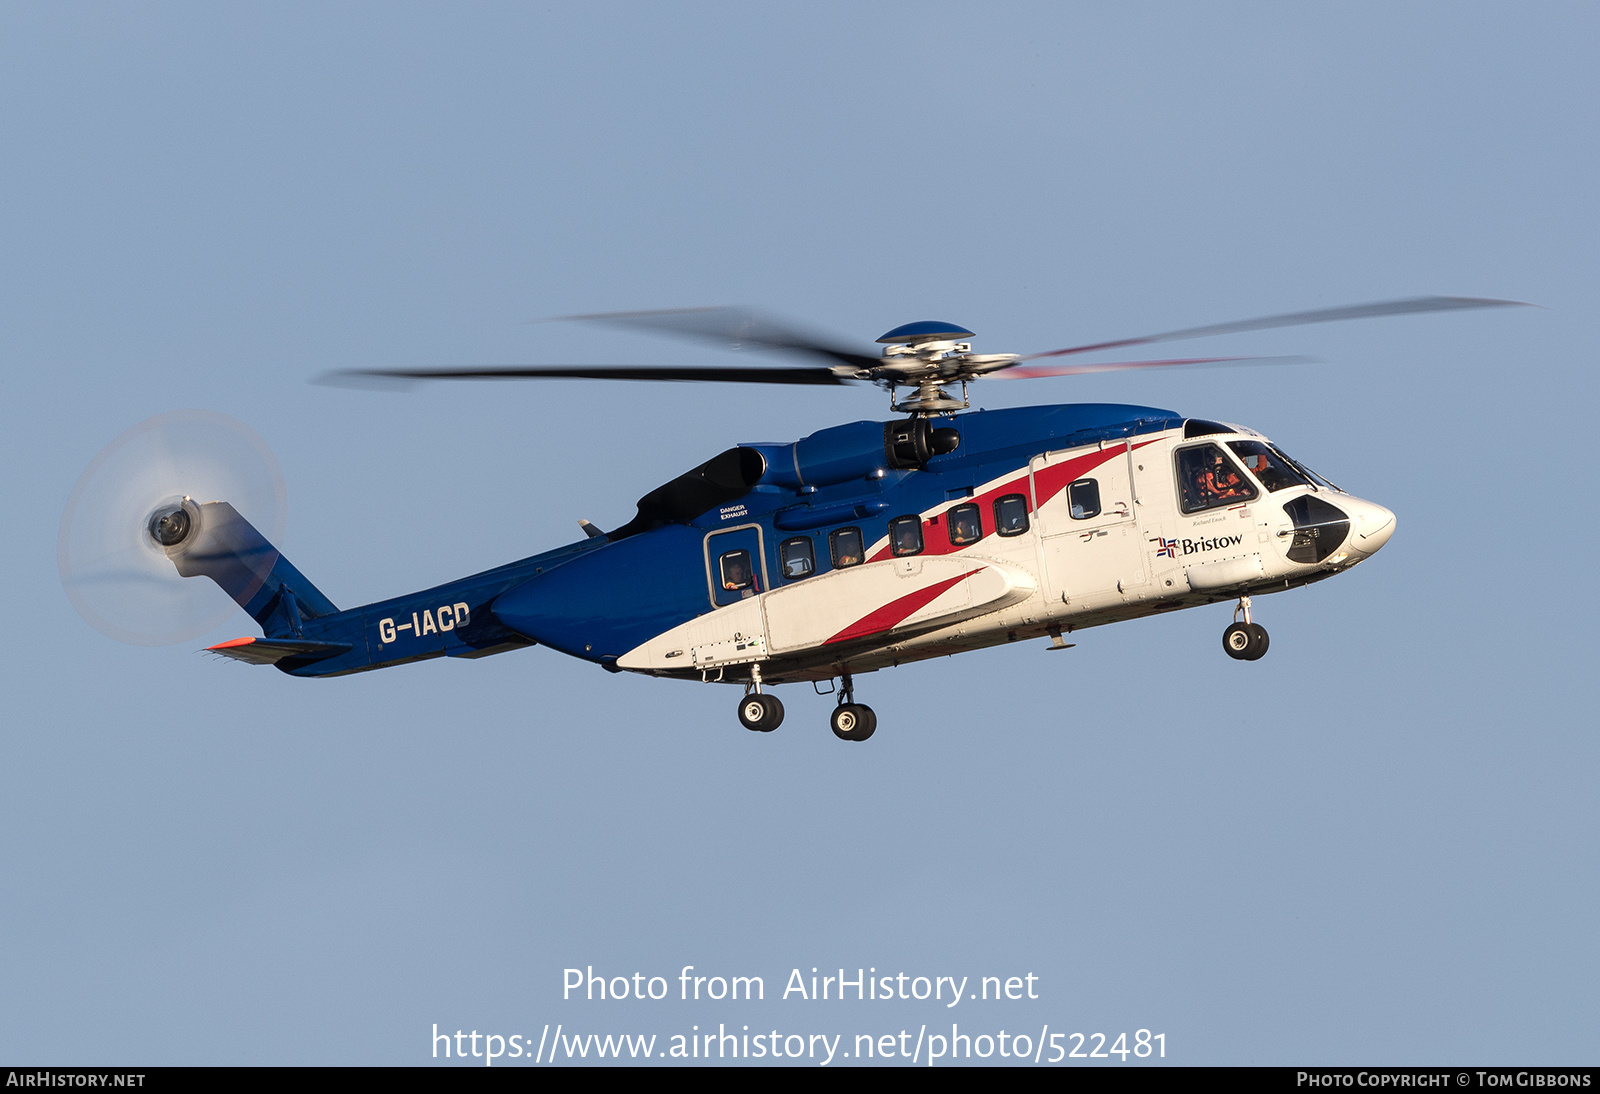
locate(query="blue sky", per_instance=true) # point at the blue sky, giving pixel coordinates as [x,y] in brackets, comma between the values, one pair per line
[1377,845]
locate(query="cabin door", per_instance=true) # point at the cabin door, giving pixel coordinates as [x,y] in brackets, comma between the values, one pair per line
[736,564]
[1091,540]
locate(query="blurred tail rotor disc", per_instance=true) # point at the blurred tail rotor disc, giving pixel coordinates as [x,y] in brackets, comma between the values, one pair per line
[135,496]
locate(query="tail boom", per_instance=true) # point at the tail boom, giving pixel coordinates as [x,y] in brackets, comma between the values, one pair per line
[304,634]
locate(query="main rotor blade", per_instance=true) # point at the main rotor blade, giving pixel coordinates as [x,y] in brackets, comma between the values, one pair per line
[732,328]
[1297,319]
[768,375]
[1034,372]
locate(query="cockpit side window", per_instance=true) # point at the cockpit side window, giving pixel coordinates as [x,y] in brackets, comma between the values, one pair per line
[1267,466]
[1207,479]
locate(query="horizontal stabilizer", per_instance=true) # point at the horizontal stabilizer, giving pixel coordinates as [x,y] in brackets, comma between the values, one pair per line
[269,651]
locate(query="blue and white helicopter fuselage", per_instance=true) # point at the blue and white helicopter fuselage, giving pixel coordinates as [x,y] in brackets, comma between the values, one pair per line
[860,547]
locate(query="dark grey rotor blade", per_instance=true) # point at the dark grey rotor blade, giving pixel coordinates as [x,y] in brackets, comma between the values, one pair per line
[733,328]
[768,375]
[1299,318]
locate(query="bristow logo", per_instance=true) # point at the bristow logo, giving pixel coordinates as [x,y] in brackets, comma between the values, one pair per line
[1194,546]
[1167,548]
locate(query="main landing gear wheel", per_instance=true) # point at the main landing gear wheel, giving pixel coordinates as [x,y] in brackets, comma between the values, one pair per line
[1258,642]
[761,713]
[1237,640]
[853,722]
[1245,641]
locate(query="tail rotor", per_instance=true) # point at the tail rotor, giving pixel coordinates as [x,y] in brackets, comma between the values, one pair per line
[140,506]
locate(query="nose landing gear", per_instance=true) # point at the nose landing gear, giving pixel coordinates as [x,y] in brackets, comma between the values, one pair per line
[851,721]
[1244,640]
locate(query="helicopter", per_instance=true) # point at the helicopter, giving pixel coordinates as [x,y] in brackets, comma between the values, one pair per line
[860,547]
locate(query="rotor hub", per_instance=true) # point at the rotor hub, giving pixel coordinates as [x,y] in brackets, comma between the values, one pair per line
[927,356]
[170,525]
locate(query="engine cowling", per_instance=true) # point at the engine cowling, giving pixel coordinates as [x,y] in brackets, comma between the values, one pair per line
[843,453]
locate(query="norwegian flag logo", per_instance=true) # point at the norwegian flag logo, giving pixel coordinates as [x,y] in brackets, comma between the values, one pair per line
[1168,548]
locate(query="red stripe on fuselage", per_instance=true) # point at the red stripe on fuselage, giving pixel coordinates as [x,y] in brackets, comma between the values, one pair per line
[897,610]
[1047,482]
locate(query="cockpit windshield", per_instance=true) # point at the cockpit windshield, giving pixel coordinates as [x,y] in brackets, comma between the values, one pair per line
[1306,471]
[1274,472]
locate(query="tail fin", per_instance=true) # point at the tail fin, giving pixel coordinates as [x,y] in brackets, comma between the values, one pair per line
[222,545]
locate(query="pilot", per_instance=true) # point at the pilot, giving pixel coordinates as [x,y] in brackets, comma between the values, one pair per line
[1220,480]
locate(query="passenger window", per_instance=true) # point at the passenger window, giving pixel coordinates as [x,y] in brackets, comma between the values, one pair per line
[965,525]
[736,571]
[905,536]
[1267,466]
[846,547]
[1207,479]
[1084,498]
[796,558]
[1011,515]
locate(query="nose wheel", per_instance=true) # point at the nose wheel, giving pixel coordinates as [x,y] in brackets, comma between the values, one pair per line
[1244,640]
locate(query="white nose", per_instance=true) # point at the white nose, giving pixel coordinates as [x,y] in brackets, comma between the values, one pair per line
[1371,527]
